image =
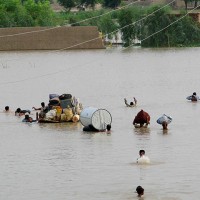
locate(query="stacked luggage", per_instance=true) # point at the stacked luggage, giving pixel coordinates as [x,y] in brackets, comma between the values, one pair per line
[62,108]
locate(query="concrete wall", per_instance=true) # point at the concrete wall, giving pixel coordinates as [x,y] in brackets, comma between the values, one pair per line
[52,39]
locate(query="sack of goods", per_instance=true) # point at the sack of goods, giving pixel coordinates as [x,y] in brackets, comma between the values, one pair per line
[51,96]
[65,96]
[54,102]
[68,113]
[58,110]
[75,118]
[164,118]
[51,114]
[63,117]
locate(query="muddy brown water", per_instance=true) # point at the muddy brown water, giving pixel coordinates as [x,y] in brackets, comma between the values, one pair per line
[60,161]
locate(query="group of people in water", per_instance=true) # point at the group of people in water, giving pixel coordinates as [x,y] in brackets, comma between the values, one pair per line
[26,112]
[142,119]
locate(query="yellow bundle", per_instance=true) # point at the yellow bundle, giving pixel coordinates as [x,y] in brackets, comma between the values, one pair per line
[63,118]
[58,110]
[68,113]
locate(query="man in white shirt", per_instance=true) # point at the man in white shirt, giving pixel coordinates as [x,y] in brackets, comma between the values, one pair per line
[143,159]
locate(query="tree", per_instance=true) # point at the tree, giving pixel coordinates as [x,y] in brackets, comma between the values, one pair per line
[153,24]
[107,26]
[159,30]
[67,4]
[125,20]
[112,3]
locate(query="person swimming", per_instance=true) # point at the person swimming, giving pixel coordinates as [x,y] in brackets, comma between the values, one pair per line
[193,97]
[27,118]
[20,112]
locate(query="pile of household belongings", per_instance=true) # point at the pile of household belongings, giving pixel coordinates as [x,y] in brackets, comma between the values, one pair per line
[61,108]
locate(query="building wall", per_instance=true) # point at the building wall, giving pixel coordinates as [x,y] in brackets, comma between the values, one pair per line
[57,38]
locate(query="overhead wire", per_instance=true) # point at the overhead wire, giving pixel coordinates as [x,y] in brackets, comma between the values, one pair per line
[56,27]
[3,83]
[52,28]
[72,46]
[117,30]
[164,27]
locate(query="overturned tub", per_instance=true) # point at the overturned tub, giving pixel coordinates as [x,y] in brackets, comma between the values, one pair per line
[95,119]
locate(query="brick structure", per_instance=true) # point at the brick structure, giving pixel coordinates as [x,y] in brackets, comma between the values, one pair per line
[47,38]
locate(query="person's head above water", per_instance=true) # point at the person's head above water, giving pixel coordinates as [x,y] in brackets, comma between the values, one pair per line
[194,93]
[18,110]
[26,116]
[131,103]
[7,108]
[140,190]
[43,104]
[108,127]
[142,152]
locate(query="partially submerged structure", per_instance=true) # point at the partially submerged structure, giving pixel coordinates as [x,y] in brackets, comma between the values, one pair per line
[50,38]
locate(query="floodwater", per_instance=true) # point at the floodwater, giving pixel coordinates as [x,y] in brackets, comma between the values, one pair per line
[61,162]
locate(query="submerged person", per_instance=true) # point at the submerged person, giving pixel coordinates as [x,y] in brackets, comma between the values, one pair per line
[108,128]
[7,109]
[91,128]
[141,118]
[132,104]
[27,118]
[140,191]
[193,97]
[20,112]
[143,159]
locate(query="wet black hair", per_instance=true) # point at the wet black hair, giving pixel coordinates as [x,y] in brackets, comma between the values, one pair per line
[194,93]
[140,190]
[6,108]
[18,110]
[131,103]
[27,117]
[42,104]
[142,151]
[108,127]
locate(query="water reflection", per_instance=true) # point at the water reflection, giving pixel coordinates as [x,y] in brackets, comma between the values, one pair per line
[68,126]
[142,131]
[75,162]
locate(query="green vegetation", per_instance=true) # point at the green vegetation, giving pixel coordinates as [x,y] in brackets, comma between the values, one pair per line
[26,13]
[184,32]
[160,29]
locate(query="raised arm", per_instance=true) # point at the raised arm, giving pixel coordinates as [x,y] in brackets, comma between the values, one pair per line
[125,101]
[135,100]
[36,108]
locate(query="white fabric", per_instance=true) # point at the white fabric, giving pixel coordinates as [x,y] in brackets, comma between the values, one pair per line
[164,118]
[143,160]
